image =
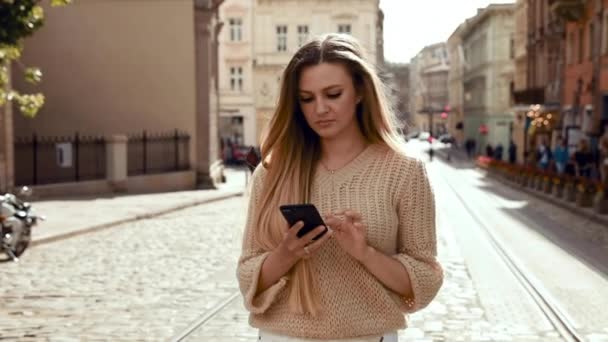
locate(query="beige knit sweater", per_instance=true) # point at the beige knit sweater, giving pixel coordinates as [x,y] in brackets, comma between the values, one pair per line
[393,195]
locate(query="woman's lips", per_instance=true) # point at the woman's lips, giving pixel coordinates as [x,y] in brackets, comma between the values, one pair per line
[325,123]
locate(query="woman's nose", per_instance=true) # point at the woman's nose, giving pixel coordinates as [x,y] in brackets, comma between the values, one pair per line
[321,107]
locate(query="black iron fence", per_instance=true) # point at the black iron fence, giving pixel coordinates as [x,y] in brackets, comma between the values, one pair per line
[48,160]
[158,153]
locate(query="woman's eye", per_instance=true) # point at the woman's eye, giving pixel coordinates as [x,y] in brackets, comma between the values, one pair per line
[334,96]
[306,99]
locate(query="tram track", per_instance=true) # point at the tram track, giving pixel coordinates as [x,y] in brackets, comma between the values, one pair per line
[543,299]
[546,303]
[206,317]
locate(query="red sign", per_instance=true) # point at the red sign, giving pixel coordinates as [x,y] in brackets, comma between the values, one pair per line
[483,129]
[444,115]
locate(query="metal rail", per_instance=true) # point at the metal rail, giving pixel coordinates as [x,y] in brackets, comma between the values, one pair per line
[206,317]
[541,296]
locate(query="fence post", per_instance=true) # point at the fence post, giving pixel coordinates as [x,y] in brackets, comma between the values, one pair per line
[76,159]
[116,162]
[145,144]
[35,158]
[176,141]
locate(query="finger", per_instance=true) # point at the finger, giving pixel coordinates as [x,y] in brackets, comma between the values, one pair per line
[293,231]
[308,238]
[359,227]
[333,222]
[314,246]
[353,215]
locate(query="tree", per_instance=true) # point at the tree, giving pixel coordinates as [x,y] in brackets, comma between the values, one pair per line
[18,20]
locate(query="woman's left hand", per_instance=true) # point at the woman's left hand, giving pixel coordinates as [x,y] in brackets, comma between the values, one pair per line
[349,232]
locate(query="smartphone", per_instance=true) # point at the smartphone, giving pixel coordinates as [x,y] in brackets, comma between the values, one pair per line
[306,213]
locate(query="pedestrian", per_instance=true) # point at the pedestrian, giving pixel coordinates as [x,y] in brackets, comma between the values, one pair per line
[252,159]
[512,152]
[498,151]
[583,160]
[543,155]
[603,144]
[489,151]
[331,143]
[561,156]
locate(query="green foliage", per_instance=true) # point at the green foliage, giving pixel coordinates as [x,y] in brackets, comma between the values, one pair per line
[18,20]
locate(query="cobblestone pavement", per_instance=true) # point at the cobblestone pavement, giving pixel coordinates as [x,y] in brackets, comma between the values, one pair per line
[141,281]
[455,315]
[150,279]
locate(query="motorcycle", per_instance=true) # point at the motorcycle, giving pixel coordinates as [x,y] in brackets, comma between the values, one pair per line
[16,222]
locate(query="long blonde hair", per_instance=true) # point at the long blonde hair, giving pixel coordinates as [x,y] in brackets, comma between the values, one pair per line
[291,149]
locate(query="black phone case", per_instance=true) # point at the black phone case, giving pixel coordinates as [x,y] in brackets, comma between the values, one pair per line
[306,213]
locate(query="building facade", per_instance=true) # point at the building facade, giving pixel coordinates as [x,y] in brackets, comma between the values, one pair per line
[455,85]
[585,96]
[542,88]
[111,77]
[398,75]
[237,110]
[488,48]
[282,26]
[429,89]
[521,105]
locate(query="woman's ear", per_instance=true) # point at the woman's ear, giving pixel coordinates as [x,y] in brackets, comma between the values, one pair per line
[359,98]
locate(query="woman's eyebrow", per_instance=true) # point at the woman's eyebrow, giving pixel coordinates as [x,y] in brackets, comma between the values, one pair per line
[326,88]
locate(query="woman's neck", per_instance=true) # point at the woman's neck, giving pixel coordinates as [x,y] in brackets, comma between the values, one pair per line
[336,153]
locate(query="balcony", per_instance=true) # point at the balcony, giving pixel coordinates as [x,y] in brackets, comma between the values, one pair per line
[569,10]
[529,96]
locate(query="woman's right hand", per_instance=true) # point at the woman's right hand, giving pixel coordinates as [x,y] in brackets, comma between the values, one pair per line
[295,248]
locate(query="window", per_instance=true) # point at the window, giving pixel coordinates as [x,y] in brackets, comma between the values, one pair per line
[236,78]
[581,44]
[282,38]
[604,38]
[236,29]
[344,28]
[570,48]
[512,48]
[590,41]
[302,34]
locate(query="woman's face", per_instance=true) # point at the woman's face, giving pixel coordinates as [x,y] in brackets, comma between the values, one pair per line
[328,99]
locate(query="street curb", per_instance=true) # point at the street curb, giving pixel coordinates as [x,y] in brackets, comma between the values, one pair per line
[597,218]
[135,218]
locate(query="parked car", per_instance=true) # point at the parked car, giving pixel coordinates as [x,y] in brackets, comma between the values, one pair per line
[447,139]
[411,135]
[424,136]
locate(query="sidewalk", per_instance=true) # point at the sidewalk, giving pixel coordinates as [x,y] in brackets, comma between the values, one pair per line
[74,216]
[459,159]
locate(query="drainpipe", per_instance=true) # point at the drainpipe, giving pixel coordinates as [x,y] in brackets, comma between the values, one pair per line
[597,66]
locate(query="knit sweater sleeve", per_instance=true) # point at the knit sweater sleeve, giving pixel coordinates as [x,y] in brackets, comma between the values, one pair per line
[417,241]
[253,256]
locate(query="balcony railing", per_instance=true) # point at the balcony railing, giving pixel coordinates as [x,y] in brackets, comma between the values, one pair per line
[569,10]
[529,96]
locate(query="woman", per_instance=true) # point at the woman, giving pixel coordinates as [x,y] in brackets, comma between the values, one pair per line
[332,142]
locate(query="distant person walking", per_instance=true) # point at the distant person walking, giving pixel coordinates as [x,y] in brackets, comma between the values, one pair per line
[560,156]
[252,159]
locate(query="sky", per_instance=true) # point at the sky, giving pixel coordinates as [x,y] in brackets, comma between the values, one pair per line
[410,25]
